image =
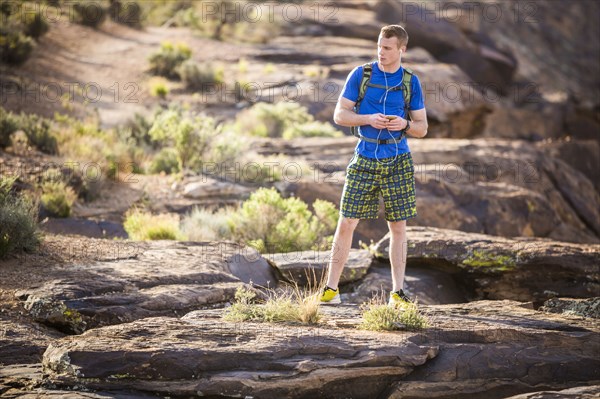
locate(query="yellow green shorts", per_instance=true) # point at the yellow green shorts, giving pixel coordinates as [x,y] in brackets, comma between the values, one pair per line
[368,178]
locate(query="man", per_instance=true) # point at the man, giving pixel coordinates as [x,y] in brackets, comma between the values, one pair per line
[382,163]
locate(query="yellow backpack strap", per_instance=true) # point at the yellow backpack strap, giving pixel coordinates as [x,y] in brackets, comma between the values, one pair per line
[362,89]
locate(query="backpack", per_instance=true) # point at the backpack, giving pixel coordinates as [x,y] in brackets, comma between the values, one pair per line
[366,82]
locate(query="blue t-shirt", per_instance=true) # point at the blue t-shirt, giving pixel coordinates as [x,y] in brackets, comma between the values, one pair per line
[374,103]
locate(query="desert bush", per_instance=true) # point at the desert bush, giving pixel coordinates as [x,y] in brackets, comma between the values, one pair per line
[197,139]
[283,119]
[377,315]
[185,133]
[17,32]
[256,168]
[109,151]
[58,198]
[165,161]
[142,226]
[15,47]
[35,25]
[37,130]
[135,131]
[159,12]
[267,222]
[8,125]
[18,216]
[166,61]
[311,129]
[206,225]
[90,14]
[270,223]
[159,87]
[199,76]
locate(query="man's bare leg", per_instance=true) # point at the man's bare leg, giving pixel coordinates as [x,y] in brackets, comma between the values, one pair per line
[398,253]
[342,241]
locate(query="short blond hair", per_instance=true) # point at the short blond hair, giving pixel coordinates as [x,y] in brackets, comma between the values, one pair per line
[396,31]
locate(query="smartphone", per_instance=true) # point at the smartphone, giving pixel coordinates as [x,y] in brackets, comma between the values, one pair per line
[391,117]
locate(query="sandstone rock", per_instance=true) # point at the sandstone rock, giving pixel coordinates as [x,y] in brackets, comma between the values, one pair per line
[428,286]
[551,44]
[21,377]
[64,394]
[581,122]
[209,187]
[309,267]
[23,342]
[455,106]
[337,21]
[501,268]
[525,352]
[486,64]
[460,167]
[163,278]
[581,307]
[487,348]
[586,392]
[545,122]
[199,356]
[583,155]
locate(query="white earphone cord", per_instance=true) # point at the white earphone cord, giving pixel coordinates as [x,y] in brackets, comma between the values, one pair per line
[396,142]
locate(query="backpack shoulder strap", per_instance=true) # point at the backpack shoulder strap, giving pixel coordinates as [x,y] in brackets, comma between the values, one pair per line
[366,78]
[407,90]
[362,89]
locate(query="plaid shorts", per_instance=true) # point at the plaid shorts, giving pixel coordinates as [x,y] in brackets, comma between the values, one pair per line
[366,178]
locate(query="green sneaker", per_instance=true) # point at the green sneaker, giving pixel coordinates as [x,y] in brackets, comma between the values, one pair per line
[330,296]
[398,298]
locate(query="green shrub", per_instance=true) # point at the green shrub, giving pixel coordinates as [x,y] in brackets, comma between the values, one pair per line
[197,139]
[270,223]
[35,25]
[166,61]
[165,161]
[116,153]
[159,87]
[159,12]
[15,47]
[143,226]
[90,14]
[311,129]
[206,225]
[18,226]
[37,130]
[199,76]
[283,119]
[135,131]
[58,198]
[379,316]
[267,222]
[8,125]
[225,147]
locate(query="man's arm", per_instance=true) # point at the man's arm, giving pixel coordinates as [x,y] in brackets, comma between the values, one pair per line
[418,124]
[344,115]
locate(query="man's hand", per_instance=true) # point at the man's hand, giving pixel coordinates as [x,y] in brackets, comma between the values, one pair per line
[396,124]
[378,121]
